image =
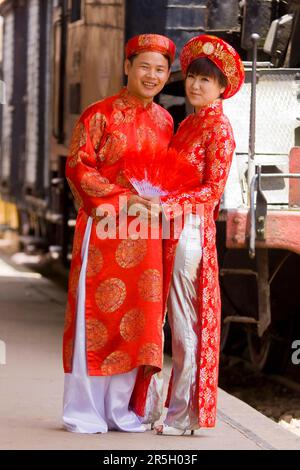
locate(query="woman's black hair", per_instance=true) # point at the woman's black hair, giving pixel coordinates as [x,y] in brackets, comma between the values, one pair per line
[207,68]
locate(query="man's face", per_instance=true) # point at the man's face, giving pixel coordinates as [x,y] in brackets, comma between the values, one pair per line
[147,75]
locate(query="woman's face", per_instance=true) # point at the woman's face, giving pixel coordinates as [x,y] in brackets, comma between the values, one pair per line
[202,90]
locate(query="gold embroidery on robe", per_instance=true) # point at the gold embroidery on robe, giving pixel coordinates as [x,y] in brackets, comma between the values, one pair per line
[149,285]
[110,295]
[131,252]
[132,324]
[96,334]
[115,363]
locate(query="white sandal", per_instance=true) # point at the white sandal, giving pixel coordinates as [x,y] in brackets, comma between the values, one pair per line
[165,430]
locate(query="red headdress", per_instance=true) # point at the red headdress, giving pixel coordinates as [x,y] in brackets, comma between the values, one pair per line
[150,42]
[221,53]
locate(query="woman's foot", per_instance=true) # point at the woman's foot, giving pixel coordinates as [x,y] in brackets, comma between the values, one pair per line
[165,430]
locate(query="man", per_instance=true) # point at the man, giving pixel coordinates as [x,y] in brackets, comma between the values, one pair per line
[113,328]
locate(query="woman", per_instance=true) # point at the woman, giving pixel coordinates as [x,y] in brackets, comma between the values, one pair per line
[213,71]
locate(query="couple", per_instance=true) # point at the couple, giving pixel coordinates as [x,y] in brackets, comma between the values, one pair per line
[119,289]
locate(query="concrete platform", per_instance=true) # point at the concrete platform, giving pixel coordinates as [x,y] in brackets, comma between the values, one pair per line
[31,384]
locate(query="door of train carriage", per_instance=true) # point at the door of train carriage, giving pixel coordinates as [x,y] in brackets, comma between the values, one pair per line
[88,52]
[35,181]
[24,146]
[180,21]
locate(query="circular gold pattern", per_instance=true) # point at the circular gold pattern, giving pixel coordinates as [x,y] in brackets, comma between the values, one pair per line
[131,252]
[150,286]
[114,148]
[95,261]
[75,193]
[96,334]
[132,324]
[117,362]
[208,48]
[74,279]
[96,127]
[150,353]
[68,354]
[94,185]
[110,295]
[78,138]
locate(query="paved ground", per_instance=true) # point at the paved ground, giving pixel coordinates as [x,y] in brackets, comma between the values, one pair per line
[31,384]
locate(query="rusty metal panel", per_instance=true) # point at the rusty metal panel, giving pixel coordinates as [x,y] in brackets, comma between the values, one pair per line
[282,230]
[224,15]
[257,17]
[294,161]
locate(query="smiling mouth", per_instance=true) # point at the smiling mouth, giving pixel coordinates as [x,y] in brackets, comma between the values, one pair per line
[149,85]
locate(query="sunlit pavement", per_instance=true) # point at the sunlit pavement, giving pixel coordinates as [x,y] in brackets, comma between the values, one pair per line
[31,383]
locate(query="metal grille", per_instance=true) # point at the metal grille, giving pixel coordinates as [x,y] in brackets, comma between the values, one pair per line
[277,109]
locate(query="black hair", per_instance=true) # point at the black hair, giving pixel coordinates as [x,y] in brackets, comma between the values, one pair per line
[206,67]
[132,57]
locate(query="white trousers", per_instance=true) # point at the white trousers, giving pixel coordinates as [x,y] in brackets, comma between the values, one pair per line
[182,316]
[93,404]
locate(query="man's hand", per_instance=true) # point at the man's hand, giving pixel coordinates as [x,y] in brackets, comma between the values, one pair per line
[155,204]
[147,206]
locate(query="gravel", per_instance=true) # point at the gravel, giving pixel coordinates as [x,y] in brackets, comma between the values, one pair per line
[274,400]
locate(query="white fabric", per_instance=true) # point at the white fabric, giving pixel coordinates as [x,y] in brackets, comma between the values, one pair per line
[95,404]
[182,316]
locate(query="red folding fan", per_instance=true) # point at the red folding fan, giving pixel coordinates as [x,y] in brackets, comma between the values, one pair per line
[161,173]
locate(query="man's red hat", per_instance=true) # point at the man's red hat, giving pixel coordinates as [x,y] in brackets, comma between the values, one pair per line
[221,53]
[150,42]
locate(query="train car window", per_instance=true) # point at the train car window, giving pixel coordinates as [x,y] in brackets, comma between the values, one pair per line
[75,13]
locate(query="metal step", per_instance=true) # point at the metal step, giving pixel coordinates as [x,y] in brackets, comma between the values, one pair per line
[238,271]
[239,319]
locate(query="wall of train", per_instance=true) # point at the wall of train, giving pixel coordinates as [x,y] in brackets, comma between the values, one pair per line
[58,56]
[61,55]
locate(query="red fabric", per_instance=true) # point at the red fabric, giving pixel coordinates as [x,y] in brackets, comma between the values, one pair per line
[150,42]
[221,53]
[206,139]
[124,276]
[153,171]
